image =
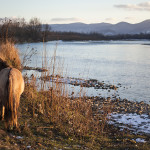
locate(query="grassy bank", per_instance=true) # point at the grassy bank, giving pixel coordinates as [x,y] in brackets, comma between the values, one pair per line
[45,126]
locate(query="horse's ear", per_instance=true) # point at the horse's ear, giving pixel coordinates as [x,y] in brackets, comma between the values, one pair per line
[3,64]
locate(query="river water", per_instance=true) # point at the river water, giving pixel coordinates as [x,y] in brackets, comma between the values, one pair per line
[124,62]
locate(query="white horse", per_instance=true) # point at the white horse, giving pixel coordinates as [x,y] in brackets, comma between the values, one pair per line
[11,87]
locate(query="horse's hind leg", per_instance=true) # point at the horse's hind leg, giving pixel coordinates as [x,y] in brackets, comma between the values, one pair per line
[15,122]
[15,112]
[3,112]
[0,115]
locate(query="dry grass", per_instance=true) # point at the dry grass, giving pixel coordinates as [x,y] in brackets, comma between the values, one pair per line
[71,116]
[10,55]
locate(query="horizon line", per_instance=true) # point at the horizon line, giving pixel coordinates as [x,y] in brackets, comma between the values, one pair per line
[99,22]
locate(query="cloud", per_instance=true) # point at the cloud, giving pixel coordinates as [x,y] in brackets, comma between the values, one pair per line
[64,19]
[139,7]
[110,20]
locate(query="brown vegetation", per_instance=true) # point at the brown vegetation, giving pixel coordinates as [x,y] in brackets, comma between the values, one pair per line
[9,55]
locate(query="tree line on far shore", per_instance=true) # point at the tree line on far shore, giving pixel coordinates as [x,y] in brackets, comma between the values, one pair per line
[20,30]
[34,31]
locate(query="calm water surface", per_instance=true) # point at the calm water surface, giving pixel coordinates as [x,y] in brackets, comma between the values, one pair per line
[125,62]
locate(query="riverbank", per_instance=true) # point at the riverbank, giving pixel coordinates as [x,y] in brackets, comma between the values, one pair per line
[39,131]
[121,110]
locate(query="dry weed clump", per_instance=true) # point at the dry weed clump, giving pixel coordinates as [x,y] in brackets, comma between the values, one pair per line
[9,55]
[71,116]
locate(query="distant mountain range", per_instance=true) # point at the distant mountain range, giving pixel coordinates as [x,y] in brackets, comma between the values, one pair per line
[104,28]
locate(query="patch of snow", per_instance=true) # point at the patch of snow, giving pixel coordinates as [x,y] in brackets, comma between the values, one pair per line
[139,140]
[29,146]
[134,122]
[19,137]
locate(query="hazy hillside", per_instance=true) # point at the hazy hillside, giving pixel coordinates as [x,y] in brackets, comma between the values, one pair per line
[104,28]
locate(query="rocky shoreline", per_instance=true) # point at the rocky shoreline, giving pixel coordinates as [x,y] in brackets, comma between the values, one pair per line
[127,115]
[113,104]
[122,105]
[81,82]
[119,105]
[74,81]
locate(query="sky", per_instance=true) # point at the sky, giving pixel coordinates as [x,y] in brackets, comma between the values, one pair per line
[69,11]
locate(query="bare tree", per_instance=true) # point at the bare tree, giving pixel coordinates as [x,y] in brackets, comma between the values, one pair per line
[34,29]
[46,29]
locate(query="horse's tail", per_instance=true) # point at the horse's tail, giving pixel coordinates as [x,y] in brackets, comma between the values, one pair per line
[10,104]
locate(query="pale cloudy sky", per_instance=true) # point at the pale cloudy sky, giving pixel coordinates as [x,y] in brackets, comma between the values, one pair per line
[68,11]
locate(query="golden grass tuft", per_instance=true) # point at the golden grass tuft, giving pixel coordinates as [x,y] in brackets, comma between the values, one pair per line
[9,55]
